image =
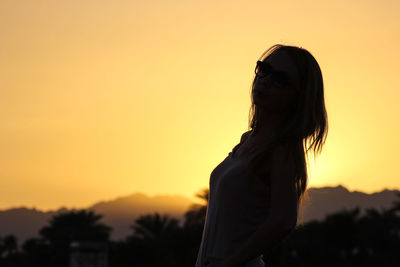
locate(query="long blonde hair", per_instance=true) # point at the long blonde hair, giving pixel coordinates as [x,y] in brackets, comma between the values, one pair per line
[304,129]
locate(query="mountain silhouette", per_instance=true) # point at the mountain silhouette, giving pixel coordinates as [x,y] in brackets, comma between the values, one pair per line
[121,212]
[326,200]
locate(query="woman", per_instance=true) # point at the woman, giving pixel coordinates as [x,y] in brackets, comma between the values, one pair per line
[257,190]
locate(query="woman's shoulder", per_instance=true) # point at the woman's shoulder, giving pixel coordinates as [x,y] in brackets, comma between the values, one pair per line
[244,136]
[242,139]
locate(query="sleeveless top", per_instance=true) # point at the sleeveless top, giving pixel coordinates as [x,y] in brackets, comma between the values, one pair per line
[235,209]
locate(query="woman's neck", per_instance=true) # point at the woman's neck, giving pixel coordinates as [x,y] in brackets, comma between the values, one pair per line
[268,123]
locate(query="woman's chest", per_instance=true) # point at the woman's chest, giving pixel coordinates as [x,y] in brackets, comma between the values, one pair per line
[227,175]
[229,182]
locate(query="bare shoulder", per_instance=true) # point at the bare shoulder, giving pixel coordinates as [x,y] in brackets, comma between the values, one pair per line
[244,136]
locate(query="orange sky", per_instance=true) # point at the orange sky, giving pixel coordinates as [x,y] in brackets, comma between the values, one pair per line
[100,99]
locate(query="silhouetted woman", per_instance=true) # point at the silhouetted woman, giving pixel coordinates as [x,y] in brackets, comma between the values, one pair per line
[257,190]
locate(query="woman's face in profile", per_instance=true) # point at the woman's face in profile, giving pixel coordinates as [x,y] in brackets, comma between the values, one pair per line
[274,91]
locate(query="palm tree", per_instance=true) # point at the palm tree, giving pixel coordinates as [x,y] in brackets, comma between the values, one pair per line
[80,225]
[196,214]
[72,226]
[158,240]
[154,227]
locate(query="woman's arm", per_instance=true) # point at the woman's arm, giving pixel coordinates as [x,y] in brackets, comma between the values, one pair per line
[283,213]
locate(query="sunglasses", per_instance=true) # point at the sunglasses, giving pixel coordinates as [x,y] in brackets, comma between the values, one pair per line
[280,78]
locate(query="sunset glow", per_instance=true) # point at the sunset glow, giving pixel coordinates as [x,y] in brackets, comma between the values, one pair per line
[100,99]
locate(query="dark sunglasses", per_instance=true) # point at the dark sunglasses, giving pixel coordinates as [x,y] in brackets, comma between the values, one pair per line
[278,77]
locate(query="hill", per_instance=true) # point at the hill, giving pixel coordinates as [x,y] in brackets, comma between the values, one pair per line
[121,212]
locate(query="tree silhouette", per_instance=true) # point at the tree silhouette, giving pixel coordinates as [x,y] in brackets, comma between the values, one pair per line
[8,245]
[9,254]
[196,214]
[154,227]
[37,252]
[396,204]
[80,225]
[344,238]
[158,236]
[193,228]
[72,226]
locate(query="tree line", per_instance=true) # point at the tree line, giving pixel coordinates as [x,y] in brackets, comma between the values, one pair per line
[345,238]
